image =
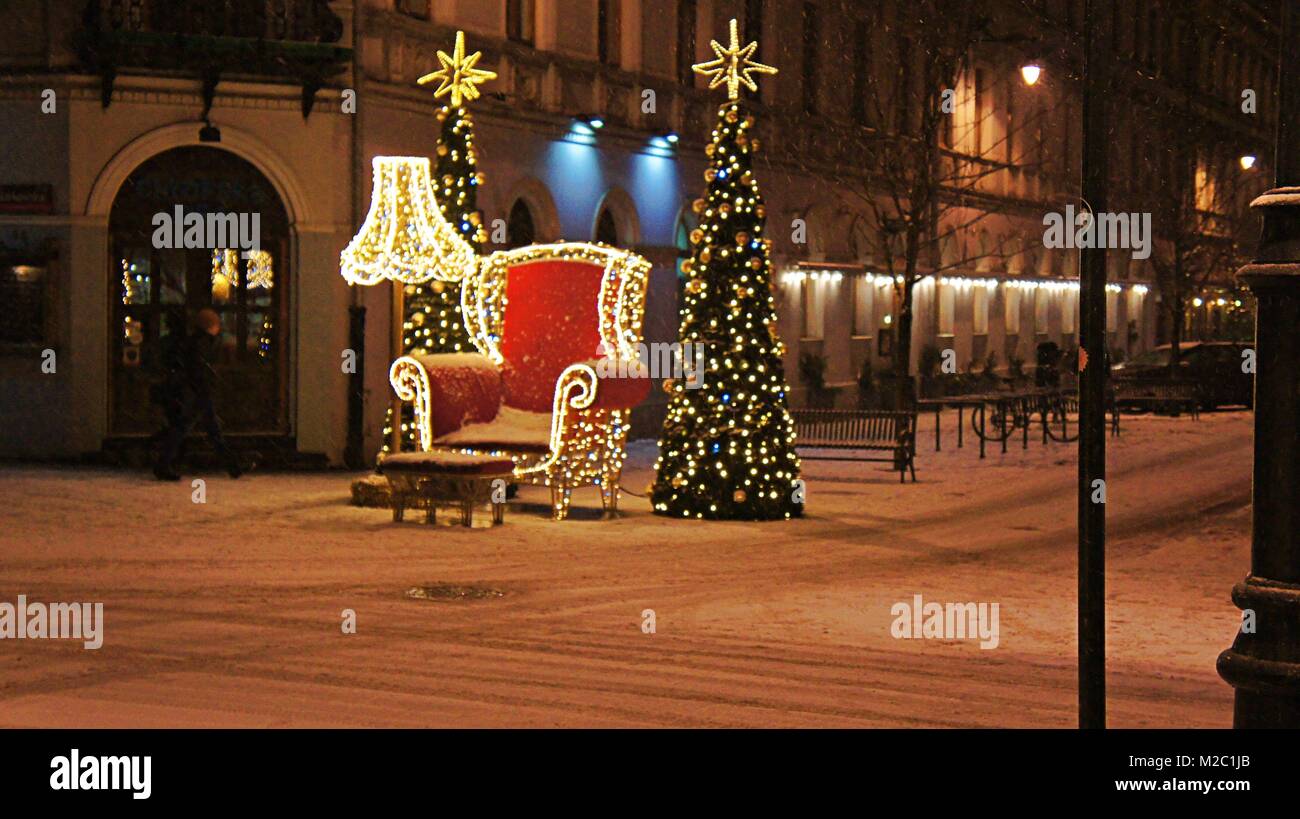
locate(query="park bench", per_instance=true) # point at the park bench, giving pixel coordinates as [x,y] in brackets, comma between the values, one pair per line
[1158,396]
[866,431]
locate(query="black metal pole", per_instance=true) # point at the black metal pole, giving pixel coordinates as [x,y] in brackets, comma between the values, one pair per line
[1092,378]
[353,449]
[1263,664]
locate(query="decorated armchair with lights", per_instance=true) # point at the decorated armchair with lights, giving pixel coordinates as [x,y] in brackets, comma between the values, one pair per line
[536,390]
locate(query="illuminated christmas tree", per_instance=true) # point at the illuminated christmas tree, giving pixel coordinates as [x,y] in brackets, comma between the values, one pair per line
[727,449]
[431,316]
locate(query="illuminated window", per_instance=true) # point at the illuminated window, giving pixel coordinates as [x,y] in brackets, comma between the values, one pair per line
[1011,308]
[864,306]
[1069,309]
[813,316]
[23,293]
[980,304]
[1041,304]
[1112,311]
[1206,190]
[946,300]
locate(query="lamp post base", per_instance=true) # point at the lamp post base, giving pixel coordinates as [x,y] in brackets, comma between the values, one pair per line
[1264,663]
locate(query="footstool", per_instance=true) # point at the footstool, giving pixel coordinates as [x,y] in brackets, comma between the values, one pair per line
[425,479]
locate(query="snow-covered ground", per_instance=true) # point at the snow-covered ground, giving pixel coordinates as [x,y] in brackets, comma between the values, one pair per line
[228,613]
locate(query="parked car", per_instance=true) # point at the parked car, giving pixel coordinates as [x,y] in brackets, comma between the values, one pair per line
[1214,366]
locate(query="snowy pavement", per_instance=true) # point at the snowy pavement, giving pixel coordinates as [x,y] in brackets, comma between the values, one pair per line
[228,613]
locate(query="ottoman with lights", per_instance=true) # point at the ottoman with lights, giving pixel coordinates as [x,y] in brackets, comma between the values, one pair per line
[427,479]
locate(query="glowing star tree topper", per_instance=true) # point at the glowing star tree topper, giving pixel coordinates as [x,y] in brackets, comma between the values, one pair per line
[727,448]
[458,76]
[733,66]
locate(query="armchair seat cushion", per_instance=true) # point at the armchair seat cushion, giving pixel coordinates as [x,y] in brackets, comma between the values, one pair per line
[512,430]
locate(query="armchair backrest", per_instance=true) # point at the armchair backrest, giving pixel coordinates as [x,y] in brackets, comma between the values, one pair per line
[539,309]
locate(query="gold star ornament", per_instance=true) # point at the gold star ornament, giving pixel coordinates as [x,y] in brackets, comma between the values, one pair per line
[733,67]
[458,76]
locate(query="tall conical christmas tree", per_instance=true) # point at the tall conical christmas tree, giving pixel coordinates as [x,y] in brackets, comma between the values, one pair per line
[431,316]
[727,449]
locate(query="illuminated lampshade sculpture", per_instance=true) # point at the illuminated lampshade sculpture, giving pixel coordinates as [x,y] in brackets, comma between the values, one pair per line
[405,236]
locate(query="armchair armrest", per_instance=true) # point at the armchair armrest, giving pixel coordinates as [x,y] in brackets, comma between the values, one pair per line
[618,383]
[448,390]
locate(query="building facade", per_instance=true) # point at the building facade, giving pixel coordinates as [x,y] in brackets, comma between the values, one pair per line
[115,111]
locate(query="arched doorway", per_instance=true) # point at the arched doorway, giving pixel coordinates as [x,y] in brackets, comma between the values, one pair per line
[160,276]
[520,228]
[606,228]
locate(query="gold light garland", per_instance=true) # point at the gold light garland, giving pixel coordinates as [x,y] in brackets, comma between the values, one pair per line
[586,444]
[405,237]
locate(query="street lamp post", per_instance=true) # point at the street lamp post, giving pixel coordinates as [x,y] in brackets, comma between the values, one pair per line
[1263,664]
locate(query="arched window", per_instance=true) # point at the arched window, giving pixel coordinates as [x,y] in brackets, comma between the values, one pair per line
[519,227]
[606,228]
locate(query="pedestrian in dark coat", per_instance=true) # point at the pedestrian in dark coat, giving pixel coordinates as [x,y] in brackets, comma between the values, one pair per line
[186,394]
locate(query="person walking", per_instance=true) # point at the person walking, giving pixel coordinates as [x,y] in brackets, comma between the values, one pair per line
[186,394]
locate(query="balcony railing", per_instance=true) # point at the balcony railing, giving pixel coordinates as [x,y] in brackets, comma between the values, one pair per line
[280,40]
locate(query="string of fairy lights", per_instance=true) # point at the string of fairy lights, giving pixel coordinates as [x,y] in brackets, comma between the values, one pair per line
[727,450]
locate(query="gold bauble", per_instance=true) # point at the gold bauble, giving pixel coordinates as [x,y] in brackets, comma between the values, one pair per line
[742,238]
[710,175]
[442,150]
[695,286]
[709,149]
[749,121]
[755,146]
[731,115]
[476,218]
[678,481]
[761,211]
[742,140]
[698,206]
[697,236]
[480,178]
[725,207]
[668,385]
[688,266]
[706,255]
[739,496]
[756,262]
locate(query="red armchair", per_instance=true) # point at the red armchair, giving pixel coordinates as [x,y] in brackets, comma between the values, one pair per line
[540,317]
